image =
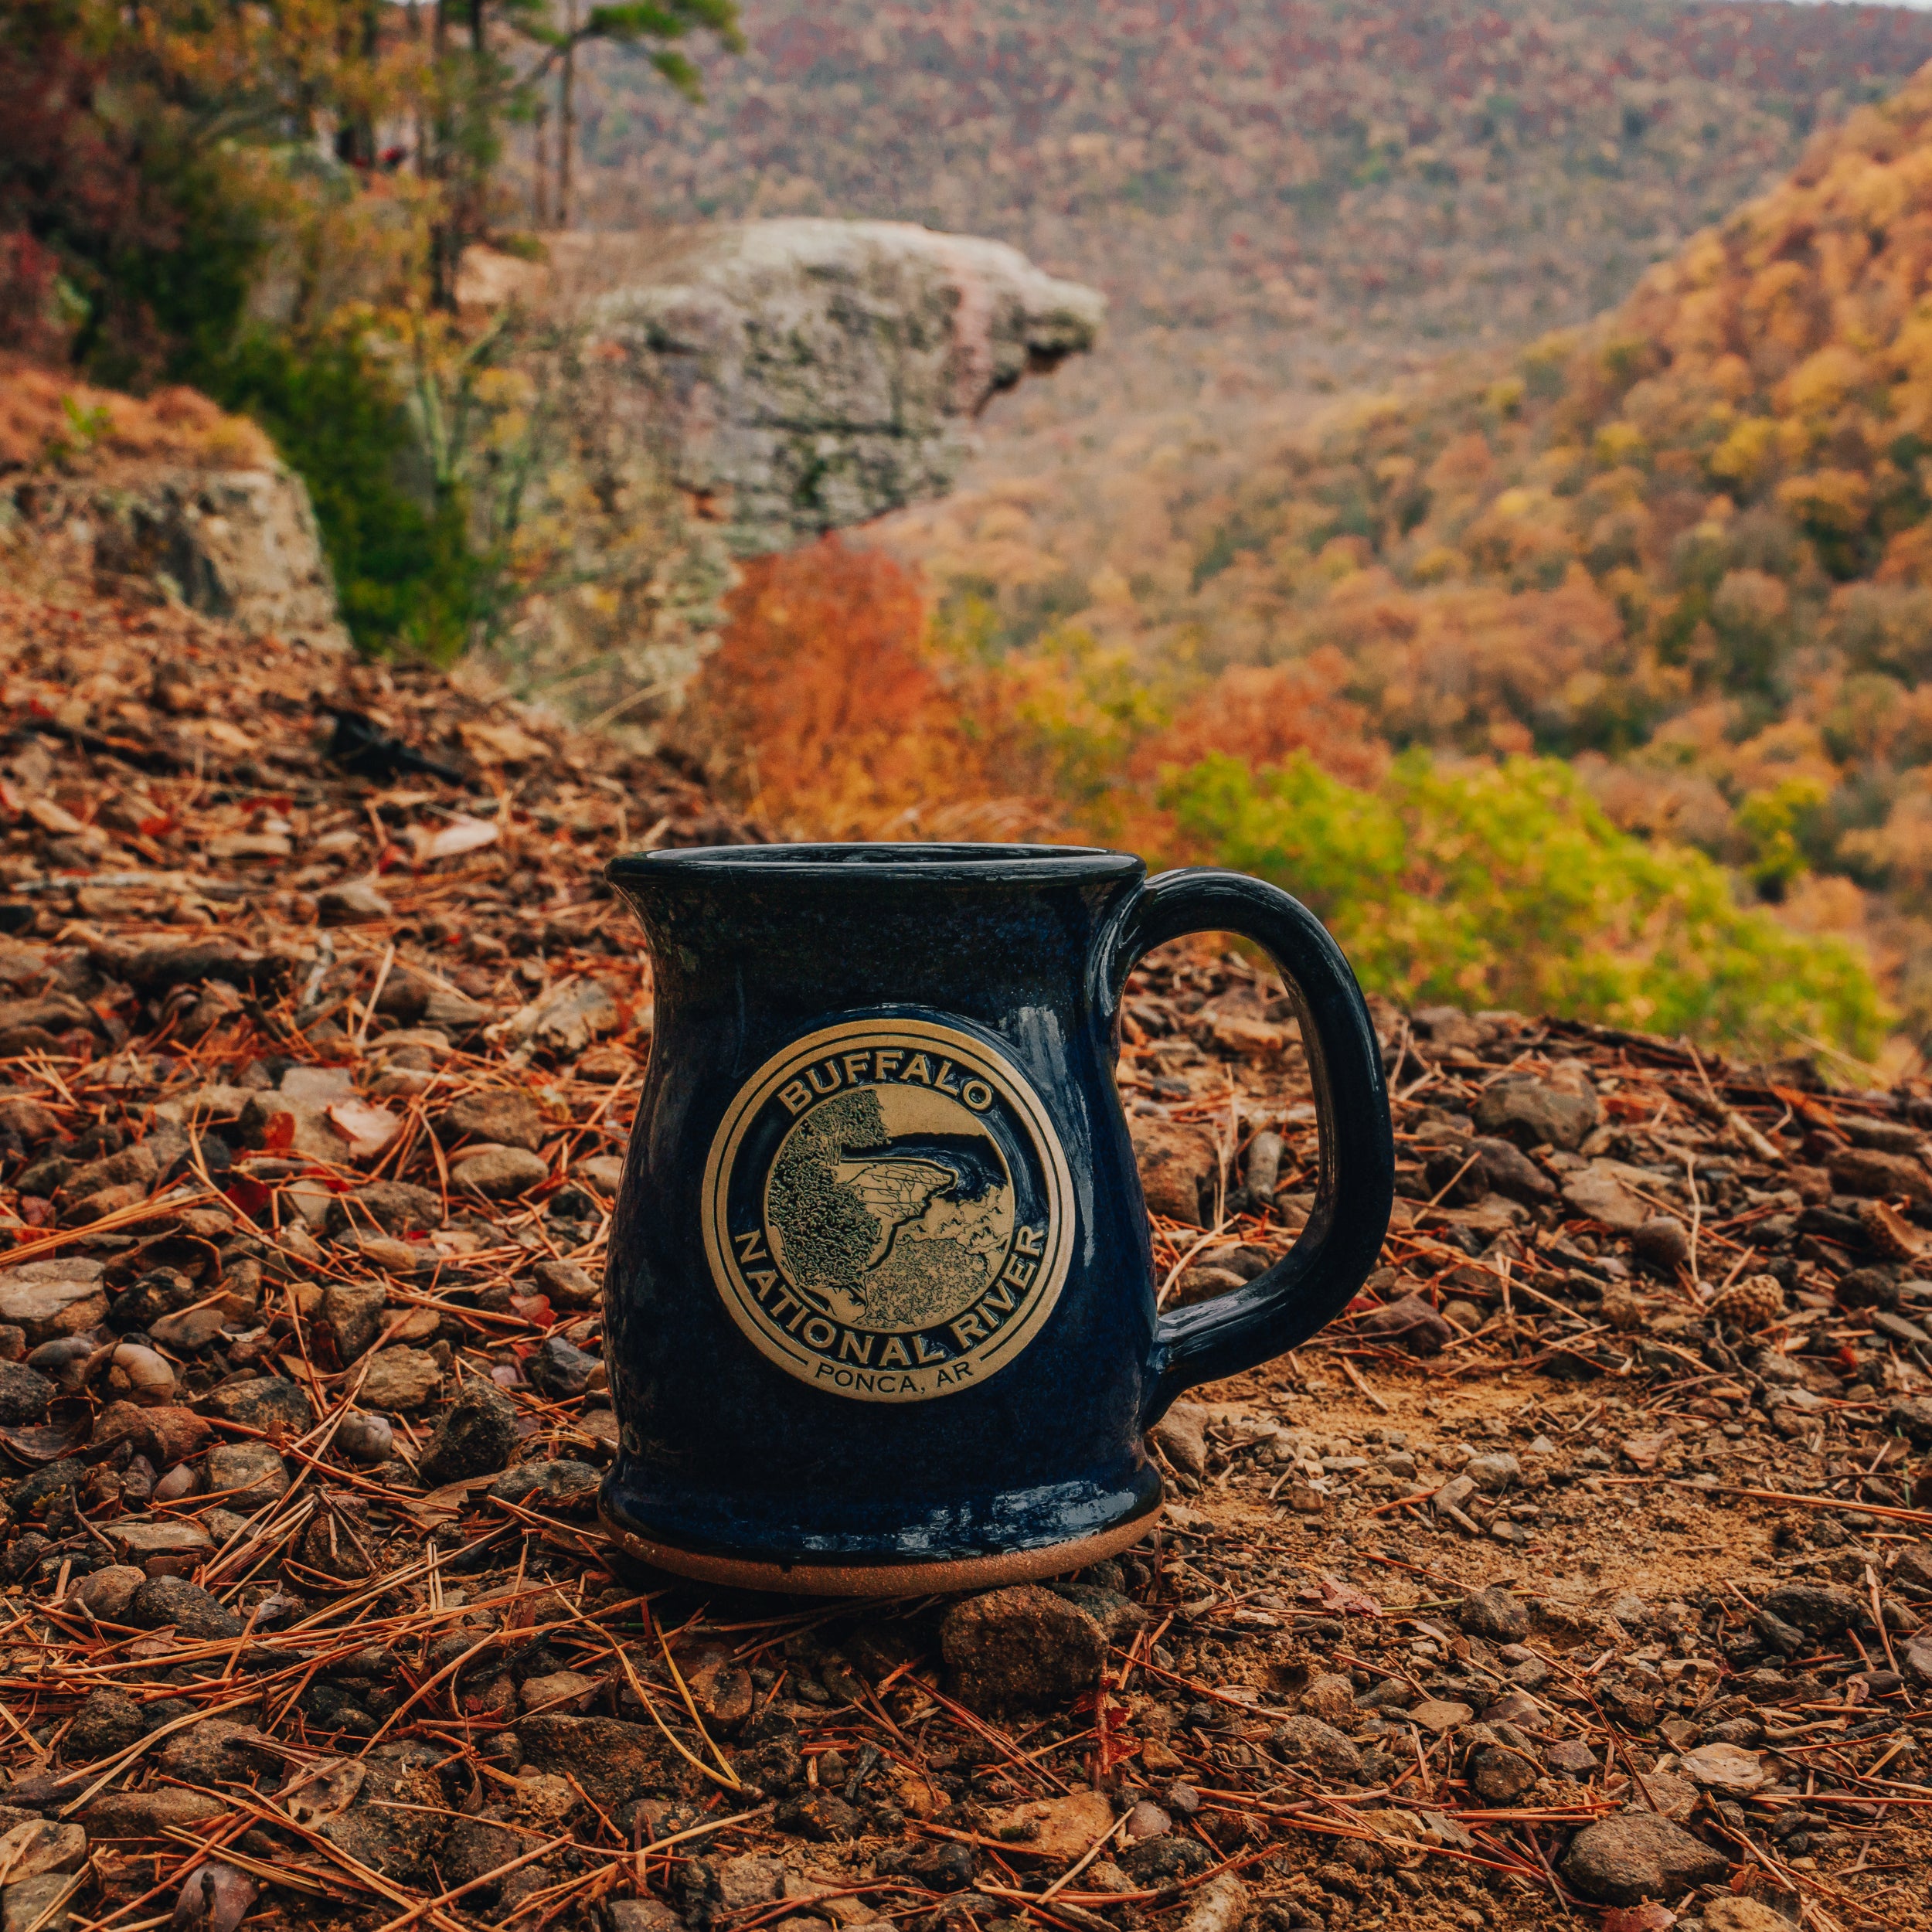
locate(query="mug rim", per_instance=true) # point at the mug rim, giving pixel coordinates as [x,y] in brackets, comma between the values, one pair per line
[866,861]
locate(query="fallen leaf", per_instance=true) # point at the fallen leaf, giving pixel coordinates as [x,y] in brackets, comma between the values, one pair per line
[327,1789]
[215,1898]
[462,834]
[1650,1916]
[1345,1598]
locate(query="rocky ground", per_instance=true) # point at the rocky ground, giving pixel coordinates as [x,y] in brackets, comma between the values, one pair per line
[1575,1577]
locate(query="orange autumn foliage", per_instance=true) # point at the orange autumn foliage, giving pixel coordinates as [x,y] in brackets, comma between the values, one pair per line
[828,717]
[1263,714]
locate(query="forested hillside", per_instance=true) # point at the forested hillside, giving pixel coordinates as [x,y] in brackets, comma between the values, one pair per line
[1236,173]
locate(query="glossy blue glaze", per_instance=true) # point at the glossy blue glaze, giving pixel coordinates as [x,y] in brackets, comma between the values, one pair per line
[1025,950]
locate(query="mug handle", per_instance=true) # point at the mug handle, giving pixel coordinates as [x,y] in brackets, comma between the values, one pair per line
[1355,1188]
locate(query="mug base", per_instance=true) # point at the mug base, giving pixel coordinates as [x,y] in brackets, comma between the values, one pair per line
[843,1577]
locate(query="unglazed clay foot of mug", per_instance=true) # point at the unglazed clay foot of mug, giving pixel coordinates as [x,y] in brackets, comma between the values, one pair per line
[835,1579]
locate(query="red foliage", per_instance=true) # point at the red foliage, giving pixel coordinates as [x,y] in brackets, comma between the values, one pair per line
[72,188]
[834,719]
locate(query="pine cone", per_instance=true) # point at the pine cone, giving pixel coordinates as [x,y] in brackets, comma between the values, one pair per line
[1755,1302]
[1891,1233]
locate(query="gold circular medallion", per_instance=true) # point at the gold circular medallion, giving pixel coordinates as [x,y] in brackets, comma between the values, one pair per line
[888,1212]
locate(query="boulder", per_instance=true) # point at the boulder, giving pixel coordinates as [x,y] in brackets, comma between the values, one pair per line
[815,373]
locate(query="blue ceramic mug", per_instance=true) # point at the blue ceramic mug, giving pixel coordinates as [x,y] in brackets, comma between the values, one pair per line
[880,1300]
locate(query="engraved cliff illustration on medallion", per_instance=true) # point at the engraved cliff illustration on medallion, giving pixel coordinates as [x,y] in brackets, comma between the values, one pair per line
[888,1211]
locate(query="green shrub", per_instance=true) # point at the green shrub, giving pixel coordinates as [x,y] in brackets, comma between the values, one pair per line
[1506,885]
[404,574]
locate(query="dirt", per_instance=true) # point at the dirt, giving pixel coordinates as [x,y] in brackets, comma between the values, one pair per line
[1576,1521]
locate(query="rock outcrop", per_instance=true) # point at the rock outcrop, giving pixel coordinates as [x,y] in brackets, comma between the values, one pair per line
[169,493]
[811,375]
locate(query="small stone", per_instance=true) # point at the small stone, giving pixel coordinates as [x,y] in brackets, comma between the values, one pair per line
[1570,1757]
[562,1372]
[497,1173]
[25,1395]
[1814,1608]
[1599,1194]
[354,903]
[191,1330]
[1440,1714]
[402,1380]
[749,1880]
[567,1285]
[252,1471]
[166,1435]
[192,1611]
[108,1720]
[603,1171]
[1502,1167]
[1502,1776]
[353,1311]
[105,1593]
[1411,1324]
[474,1437]
[641,1915]
[214,1751]
[139,1538]
[506,1115]
[1912,1418]
[1178,1165]
[558,1687]
[1494,1615]
[568,1488]
[1493,1474]
[395,1207]
[1021,1647]
[1056,1828]
[1147,1820]
[38,1845]
[37,1904]
[1664,1242]
[270,1403]
[1219,1906]
[1524,1110]
[150,1814]
[47,1299]
[365,1438]
[1735,1914]
[1330,1696]
[1306,1742]
[1181,1436]
[1865,1171]
[1637,1855]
